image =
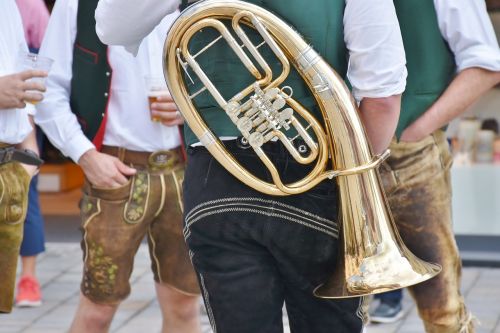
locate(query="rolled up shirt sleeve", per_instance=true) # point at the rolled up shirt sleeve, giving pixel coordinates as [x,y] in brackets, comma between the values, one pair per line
[54,114]
[127,22]
[377,62]
[467,28]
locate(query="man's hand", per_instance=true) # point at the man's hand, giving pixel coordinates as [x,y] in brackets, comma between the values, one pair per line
[103,170]
[166,111]
[413,134]
[15,89]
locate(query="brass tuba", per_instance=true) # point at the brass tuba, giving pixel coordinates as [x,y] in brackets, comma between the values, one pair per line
[374,258]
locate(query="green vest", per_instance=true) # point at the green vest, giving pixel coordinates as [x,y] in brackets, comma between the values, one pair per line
[430,63]
[91,76]
[320,22]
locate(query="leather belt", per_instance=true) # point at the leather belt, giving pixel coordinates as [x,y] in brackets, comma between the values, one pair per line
[11,154]
[160,159]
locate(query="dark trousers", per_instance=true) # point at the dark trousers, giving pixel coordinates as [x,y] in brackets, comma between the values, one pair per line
[253,253]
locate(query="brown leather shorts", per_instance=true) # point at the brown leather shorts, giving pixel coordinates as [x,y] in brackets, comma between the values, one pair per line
[115,221]
[14,184]
[416,179]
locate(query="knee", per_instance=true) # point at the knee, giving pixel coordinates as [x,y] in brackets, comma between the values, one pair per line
[186,307]
[182,307]
[96,317]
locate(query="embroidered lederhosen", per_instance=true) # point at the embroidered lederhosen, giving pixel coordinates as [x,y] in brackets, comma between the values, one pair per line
[114,222]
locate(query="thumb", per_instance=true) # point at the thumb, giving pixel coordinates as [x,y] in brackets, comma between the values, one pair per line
[124,169]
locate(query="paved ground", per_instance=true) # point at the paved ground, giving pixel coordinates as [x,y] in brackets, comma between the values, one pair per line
[60,270]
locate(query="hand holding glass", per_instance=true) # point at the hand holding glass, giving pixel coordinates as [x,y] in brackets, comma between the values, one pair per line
[155,88]
[36,64]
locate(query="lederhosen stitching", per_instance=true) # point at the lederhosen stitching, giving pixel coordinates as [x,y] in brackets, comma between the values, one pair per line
[163,195]
[266,201]
[207,304]
[254,208]
[23,204]
[263,210]
[153,254]
[178,189]
[193,217]
[187,231]
[84,226]
[2,181]
[132,212]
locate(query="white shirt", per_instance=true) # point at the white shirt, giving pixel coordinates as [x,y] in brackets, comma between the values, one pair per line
[129,124]
[467,28]
[371,31]
[14,123]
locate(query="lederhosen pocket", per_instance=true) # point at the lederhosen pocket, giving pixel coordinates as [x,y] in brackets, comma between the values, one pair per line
[14,185]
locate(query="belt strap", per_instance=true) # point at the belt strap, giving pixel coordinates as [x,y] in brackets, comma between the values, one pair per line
[11,154]
[160,159]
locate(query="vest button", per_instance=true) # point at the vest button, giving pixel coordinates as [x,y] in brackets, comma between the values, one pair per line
[102,114]
[108,73]
[106,94]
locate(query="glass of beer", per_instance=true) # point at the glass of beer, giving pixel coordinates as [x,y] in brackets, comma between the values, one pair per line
[28,60]
[155,87]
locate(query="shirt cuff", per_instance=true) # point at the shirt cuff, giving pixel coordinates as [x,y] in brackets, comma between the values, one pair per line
[395,88]
[481,56]
[77,146]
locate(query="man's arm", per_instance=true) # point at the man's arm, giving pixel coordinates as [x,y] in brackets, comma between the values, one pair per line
[380,118]
[127,22]
[464,90]
[54,112]
[466,26]
[377,69]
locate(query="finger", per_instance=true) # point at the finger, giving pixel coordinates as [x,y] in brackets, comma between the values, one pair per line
[32,97]
[164,115]
[165,98]
[20,104]
[175,122]
[25,75]
[120,179]
[112,183]
[124,169]
[34,85]
[164,106]
[106,183]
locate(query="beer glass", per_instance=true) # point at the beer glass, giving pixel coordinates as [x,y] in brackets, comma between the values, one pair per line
[28,61]
[155,87]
